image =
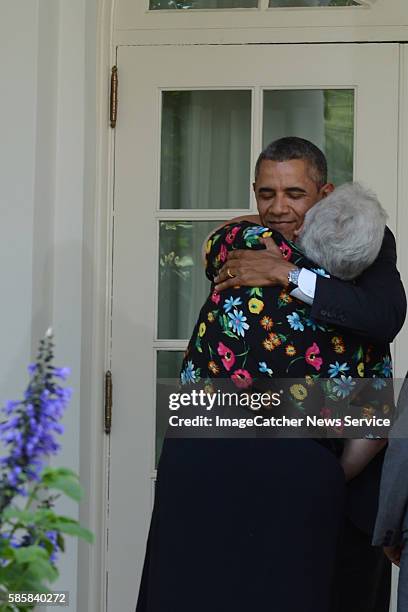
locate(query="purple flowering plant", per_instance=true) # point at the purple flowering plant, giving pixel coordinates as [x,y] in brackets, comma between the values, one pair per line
[31,532]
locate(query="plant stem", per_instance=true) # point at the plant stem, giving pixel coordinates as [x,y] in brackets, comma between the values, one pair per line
[26,507]
[31,496]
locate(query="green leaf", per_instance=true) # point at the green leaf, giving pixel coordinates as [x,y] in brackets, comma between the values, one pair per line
[48,545]
[198,344]
[61,542]
[60,471]
[73,528]
[44,516]
[43,569]
[23,516]
[29,576]
[7,552]
[255,291]
[27,554]
[251,240]
[67,484]
[230,334]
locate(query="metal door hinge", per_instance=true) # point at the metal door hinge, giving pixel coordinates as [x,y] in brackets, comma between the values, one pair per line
[113,110]
[108,401]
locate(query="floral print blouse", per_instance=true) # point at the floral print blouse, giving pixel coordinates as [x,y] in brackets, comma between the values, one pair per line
[258,336]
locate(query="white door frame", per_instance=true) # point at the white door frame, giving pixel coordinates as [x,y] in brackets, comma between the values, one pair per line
[96,303]
[94,443]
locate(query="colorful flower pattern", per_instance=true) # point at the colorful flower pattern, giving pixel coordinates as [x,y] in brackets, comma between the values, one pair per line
[240,345]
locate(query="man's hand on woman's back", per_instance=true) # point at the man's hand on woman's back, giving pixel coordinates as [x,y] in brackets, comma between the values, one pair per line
[254,268]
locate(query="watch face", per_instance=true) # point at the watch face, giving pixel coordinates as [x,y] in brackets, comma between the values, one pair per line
[294,276]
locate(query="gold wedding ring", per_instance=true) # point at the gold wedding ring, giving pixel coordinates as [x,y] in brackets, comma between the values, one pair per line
[229,273]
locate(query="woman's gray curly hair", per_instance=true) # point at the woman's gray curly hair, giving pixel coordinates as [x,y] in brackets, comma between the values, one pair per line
[344,231]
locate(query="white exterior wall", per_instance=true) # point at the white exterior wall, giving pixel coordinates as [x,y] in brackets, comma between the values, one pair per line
[42,106]
[18,43]
[68,210]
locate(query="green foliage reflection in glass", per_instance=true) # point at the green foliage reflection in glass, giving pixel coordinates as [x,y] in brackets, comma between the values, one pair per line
[228,4]
[205,149]
[339,134]
[326,117]
[310,3]
[183,286]
[201,4]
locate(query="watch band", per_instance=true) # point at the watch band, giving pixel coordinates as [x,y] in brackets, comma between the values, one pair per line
[293,278]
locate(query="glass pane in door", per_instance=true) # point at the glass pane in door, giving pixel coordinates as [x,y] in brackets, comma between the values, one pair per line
[326,117]
[307,3]
[201,4]
[183,286]
[205,149]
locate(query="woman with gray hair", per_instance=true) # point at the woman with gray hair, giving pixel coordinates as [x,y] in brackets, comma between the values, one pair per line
[234,518]
[343,232]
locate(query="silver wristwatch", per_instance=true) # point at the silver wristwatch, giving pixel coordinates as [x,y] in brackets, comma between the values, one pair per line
[293,277]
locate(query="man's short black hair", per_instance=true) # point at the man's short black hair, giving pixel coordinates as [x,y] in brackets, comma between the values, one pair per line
[293,147]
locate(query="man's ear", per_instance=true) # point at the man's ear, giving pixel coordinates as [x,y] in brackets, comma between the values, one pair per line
[253,186]
[327,189]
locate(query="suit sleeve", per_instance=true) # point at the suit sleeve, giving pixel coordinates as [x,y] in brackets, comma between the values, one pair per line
[393,496]
[393,504]
[373,305]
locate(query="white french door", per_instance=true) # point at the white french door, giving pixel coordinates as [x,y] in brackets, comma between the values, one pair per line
[192,122]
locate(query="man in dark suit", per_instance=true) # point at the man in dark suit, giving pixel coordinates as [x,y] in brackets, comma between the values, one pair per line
[290,177]
[375,306]
[391,528]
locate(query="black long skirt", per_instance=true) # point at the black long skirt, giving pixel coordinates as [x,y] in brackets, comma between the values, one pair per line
[243,525]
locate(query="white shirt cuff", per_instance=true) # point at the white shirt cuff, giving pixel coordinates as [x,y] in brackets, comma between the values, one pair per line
[306,288]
